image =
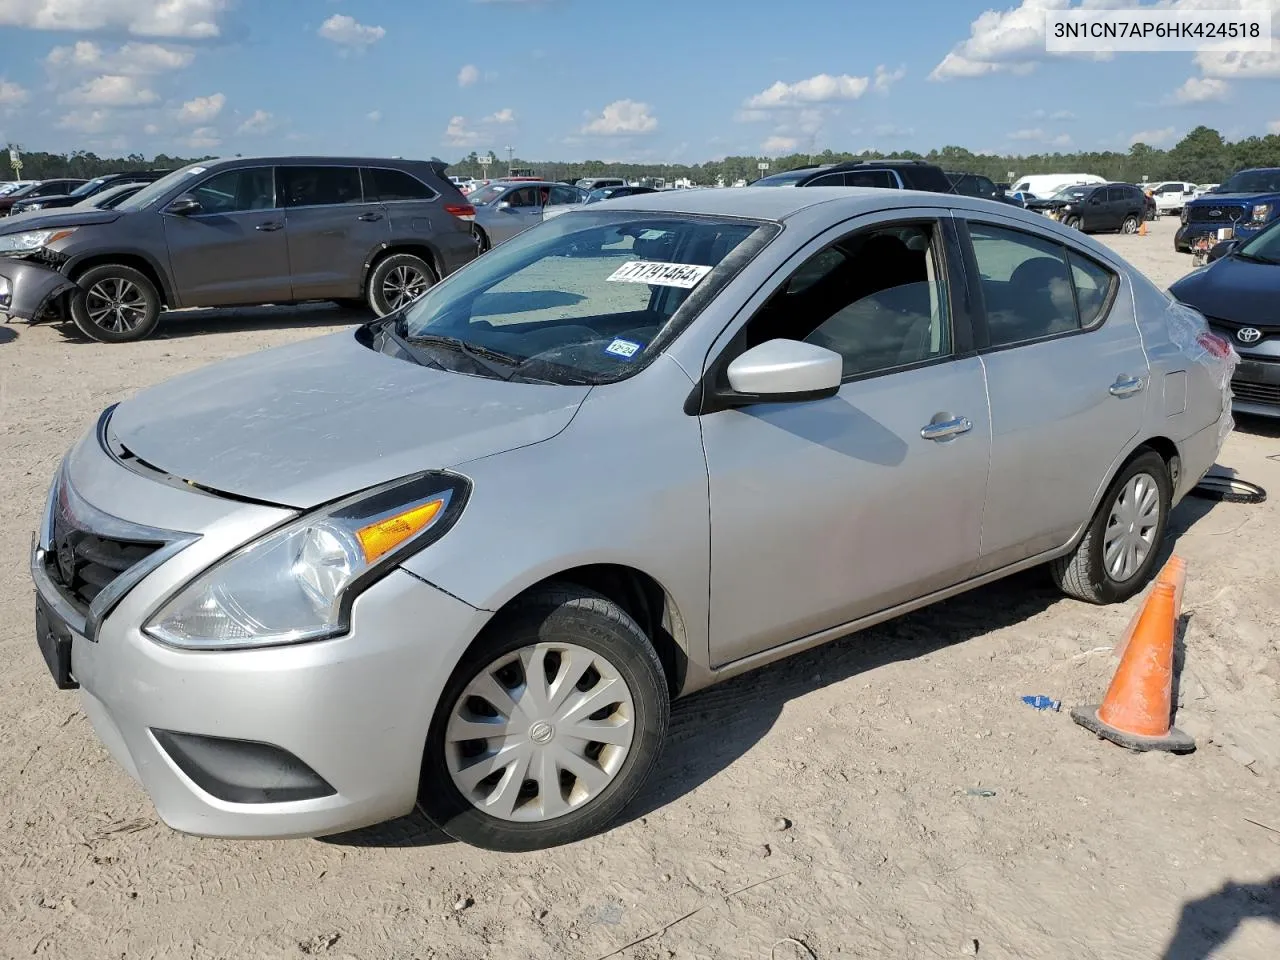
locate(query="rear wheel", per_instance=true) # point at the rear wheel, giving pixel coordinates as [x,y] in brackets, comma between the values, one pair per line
[115,304]
[1119,551]
[397,281]
[549,726]
[1130,224]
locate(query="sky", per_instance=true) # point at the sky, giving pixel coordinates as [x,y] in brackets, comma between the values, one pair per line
[661,82]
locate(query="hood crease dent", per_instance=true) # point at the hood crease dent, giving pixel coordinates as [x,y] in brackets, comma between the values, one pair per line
[306,423]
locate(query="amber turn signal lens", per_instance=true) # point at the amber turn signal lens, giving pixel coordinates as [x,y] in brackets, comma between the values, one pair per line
[380,538]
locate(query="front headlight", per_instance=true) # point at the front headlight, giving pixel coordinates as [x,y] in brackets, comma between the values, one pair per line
[1261,212]
[298,582]
[1186,213]
[34,206]
[33,239]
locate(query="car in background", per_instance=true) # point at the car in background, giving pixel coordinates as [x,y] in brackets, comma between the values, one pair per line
[241,232]
[1204,188]
[86,189]
[595,183]
[506,208]
[1239,294]
[107,199]
[1242,207]
[596,196]
[1047,184]
[1172,195]
[976,185]
[1095,209]
[886,174]
[463,558]
[1056,200]
[9,186]
[45,188]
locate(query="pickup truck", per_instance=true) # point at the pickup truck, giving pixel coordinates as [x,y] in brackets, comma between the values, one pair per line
[1239,209]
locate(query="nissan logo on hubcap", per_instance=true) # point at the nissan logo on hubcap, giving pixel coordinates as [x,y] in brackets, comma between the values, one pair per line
[1248,334]
[541,732]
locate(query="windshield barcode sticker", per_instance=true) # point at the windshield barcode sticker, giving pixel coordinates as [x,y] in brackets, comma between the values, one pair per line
[685,275]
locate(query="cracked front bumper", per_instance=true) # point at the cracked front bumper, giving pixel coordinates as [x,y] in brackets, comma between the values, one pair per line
[27,289]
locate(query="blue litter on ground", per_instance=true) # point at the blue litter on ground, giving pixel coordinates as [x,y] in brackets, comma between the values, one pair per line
[1041,702]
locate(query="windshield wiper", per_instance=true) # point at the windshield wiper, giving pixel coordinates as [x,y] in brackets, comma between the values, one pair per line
[501,365]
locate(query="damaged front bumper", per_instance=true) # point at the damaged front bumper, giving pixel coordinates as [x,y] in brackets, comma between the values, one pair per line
[28,290]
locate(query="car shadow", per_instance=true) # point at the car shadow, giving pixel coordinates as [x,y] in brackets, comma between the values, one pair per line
[713,728]
[1209,922]
[1256,426]
[8,334]
[200,322]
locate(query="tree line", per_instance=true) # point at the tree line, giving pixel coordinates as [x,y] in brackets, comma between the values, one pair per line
[1202,156]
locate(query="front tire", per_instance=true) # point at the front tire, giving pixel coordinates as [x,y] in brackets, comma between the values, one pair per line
[1118,553]
[397,281]
[1073,223]
[549,726]
[115,304]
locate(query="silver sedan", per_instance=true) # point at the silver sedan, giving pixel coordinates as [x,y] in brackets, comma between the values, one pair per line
[466,556]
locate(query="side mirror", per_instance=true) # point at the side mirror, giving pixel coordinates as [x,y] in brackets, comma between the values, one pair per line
[785,371]
[184,207]
[1221,249]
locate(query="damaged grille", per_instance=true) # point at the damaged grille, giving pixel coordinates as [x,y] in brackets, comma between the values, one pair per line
[83,564]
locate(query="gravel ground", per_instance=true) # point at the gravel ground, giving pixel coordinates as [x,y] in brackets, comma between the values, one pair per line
[888,796]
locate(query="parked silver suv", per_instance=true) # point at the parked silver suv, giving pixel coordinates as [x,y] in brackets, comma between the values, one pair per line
[241,232]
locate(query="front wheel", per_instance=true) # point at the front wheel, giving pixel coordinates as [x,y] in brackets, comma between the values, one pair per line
[397,281]
[549,726]
[115,304]
[1130,225]
[1073,223]
[1119,550]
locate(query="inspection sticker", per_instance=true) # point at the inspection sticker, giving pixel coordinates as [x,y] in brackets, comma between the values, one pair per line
[684,275]
[626,349]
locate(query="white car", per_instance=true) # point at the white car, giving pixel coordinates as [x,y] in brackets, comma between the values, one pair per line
[1172,195]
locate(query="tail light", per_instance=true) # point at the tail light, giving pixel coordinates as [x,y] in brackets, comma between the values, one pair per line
[1215,344]
[463,211]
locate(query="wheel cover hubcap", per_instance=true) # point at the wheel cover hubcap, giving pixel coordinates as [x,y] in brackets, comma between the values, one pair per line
[539,732]
[115,304]
[1131,527]
[402,285]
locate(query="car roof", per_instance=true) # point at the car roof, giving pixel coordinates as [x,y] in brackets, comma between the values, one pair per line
[764,203]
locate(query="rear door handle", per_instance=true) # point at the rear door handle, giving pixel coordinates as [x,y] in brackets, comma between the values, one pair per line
[1127,386]
[269,227]
[369,217]
[946,429]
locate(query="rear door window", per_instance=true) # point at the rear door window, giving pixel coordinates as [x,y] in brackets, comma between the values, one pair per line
[320,186]
[871,178]
[389,186]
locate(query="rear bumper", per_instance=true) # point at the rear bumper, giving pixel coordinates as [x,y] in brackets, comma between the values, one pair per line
[26,288]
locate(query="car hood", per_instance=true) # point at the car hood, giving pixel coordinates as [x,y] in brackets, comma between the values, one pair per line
[1209,199]
[1235,290]
[306,423]
[39,220]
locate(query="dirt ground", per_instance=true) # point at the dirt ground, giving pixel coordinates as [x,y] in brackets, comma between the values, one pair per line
[889,796]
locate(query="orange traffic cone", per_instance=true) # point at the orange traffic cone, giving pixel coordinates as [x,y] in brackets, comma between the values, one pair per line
[1142,230]
[1174,571]
[1137,708]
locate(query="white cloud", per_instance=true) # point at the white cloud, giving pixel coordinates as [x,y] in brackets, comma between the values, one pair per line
[12,94]
[374,116]
[505,115]
[459,133]
[1243,65]
[203,138]
[112,90]
[349,33]
[468,75]
[85,121]
[1152,138]
[777,144]
[1060,115]
[146,18]
[1202,89]
[893,131]
[201,110]
[1274,127]
[752,116]
[886,78]
[823,88]
[622,118]
[259,122]
[134,59]
[151,129]
[1038,135]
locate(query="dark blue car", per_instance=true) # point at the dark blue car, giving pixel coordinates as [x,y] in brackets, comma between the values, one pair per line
[1241,208]
[1239,294]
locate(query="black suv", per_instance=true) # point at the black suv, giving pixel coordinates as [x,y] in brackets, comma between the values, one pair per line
[976,185]
[240,232]
[888,174]
[1093,208]
[87,189]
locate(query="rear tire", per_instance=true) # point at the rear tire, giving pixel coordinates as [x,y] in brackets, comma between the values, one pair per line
[570,786]
[398,280]
[115,304]
[1119,550]
[1130,225]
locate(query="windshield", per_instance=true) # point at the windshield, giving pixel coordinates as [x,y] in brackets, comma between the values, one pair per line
[1265,246]
[783,179]
[1253,181]
[604,193]
[154,191]
[1074,192]
[587,298]
[87,188]
[486,195]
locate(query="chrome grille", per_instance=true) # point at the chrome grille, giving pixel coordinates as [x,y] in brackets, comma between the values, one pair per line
[83,563]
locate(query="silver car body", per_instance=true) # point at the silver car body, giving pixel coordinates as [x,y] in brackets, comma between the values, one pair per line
[501,217]
[865,519]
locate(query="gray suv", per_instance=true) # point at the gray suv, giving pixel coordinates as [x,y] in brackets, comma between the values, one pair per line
[241,232]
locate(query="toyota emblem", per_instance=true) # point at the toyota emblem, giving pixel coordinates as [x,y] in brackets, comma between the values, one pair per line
[1248,334]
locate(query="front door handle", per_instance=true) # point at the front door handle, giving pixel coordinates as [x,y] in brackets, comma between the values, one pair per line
[1127,386]
[945,429]
[269,227]
[369,217]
